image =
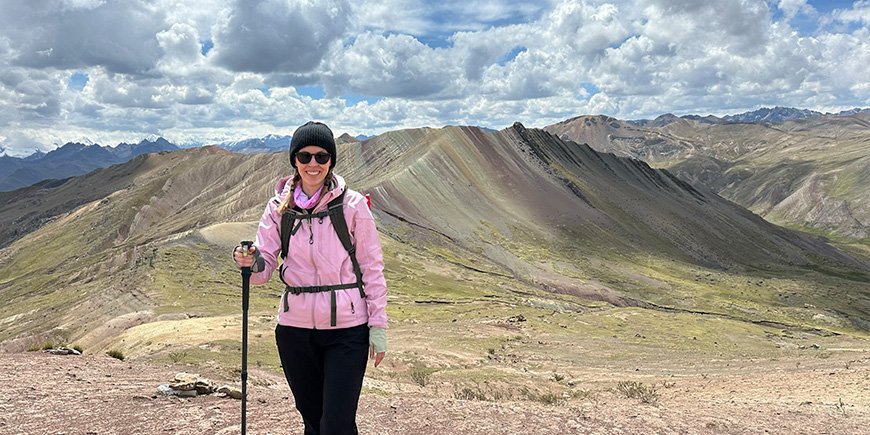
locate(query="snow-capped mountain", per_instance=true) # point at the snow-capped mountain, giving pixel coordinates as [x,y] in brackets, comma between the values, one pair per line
[775,115]
[268,144]
[71,159]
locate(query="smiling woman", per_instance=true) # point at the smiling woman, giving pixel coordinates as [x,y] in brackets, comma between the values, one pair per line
[332,314]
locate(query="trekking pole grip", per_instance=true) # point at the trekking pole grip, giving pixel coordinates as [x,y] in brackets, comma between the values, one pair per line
[246,274]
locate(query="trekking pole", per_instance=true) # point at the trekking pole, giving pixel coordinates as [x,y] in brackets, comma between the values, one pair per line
[246,285]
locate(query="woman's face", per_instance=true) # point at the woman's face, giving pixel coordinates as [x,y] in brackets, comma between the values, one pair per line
[313,173]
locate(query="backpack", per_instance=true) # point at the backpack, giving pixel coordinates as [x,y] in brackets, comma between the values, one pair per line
[289,227]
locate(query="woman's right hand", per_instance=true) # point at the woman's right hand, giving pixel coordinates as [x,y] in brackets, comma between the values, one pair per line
[243,260]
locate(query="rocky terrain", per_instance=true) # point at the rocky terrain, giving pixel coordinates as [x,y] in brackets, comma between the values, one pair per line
[535,285]
[46,394]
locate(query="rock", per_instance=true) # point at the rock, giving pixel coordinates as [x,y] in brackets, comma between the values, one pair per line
[186,377]
[63,351]
[185,382]
[204,386]
[183,386]
[166,390]
[233,392]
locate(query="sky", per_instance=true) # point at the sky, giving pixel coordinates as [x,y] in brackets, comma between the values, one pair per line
[206,71]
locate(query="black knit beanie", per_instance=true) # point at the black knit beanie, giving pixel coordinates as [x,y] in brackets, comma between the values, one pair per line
[312,133]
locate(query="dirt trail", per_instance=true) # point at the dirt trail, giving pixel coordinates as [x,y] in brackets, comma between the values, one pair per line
[47,394]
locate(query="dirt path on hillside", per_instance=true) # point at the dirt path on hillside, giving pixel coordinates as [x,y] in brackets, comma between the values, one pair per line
[47,394]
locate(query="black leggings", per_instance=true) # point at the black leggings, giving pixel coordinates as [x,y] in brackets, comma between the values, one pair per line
[325,369]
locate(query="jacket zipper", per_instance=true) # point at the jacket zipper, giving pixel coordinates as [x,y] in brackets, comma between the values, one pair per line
[311,256]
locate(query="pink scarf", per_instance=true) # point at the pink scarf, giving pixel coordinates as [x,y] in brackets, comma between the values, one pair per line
[303,201]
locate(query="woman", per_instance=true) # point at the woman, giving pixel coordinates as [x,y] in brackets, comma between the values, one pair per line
[333,312]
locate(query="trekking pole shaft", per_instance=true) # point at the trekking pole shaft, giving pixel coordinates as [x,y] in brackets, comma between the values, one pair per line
[246,285]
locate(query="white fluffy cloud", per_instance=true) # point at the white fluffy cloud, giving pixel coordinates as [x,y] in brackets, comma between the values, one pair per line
[279,35]
[201,71]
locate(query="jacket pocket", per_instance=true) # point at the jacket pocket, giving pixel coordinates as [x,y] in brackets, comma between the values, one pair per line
[350,309]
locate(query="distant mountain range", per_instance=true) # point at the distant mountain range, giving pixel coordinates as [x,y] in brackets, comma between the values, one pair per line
[764,115]
[71,159]
[809,172]
[83,156]
[269,144]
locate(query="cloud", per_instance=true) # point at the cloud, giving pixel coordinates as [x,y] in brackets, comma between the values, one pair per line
[444,18]
[379,65]
[390,66]
[119,36]
[279,36]
[859,13]
[791,8]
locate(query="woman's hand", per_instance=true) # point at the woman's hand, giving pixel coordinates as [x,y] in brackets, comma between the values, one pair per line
[242,258]
[377,344]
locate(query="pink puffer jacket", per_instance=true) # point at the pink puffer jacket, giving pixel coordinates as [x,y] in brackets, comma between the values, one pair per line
[316,257]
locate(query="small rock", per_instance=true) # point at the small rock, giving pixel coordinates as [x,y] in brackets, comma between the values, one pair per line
[204,386]
[233,392]
[166,390]
[186,377]
[63,351]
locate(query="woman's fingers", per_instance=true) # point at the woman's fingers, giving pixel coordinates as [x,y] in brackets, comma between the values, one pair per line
[241,259]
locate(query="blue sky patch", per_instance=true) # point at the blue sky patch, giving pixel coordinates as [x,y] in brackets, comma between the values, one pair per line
[352,99]
[590,88]
[511,55]
[807,25]
[205,46]
[315,92]
[826,6]
[77,81]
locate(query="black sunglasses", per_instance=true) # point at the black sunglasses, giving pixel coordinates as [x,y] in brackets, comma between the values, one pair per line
[305,157]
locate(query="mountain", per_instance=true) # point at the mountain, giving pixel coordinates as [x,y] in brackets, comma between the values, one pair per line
[855,111]
[346,138]
[127,151]
[71,159]
[808,173]
[35,156]
[143,244]
[268,144]
[776,115]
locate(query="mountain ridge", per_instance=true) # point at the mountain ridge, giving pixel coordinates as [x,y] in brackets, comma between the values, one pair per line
[71,159]
[739,161]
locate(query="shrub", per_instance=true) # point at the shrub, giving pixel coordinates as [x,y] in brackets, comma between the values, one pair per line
[467,393]
[420,375]
[177,356]
[637,390]
[581,394]
[547,398]
[117,354]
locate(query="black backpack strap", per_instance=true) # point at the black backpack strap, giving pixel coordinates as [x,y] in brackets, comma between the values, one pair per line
[289,227]
[336,215]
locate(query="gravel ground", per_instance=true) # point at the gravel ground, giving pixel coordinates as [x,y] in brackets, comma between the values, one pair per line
[49,394]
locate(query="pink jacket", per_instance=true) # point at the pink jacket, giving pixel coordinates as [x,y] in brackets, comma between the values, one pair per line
[324,261]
